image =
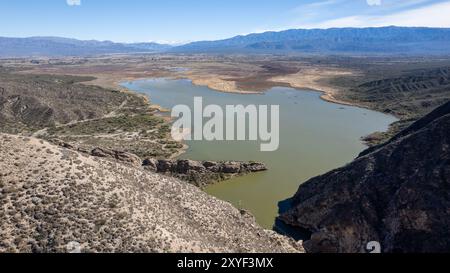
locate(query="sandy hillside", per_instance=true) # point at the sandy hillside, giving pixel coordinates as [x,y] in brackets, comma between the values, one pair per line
[50,196]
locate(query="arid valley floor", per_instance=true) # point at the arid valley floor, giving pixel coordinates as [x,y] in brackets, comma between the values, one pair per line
[73,110]
[392,85]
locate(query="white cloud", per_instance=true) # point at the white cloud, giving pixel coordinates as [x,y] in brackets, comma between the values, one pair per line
[435,15]
[374,2]
[313,7]
[171,42]
[323,3]
[73,2]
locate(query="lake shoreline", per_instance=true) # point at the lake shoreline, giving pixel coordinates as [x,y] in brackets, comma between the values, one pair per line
[328,96]
[322,123]
[307,79]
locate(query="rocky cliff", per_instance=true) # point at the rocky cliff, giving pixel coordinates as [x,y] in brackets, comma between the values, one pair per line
[397,194]
[53,198]
[202,173]
[198,173]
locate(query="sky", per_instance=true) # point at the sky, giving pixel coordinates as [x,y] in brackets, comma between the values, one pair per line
[182,21]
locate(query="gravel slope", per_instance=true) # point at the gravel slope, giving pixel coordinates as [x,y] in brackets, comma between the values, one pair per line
[51,196]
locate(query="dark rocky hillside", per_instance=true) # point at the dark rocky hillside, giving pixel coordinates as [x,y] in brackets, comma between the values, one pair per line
[397,194]
[409,94]
[416,92]
[32,102]
[61,108]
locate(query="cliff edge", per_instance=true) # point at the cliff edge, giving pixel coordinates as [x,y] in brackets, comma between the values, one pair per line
[397,194]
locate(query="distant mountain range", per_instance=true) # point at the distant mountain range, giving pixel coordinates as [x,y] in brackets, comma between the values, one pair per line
[382,40]
[55,46]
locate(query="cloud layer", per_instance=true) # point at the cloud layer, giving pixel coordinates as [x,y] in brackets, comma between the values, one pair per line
[374,2]
[435,15]
[73,2]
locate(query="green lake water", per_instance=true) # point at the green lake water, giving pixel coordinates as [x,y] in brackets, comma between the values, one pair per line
[315,137]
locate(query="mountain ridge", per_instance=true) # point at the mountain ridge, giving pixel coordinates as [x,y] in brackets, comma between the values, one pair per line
[40,46]
[391,39]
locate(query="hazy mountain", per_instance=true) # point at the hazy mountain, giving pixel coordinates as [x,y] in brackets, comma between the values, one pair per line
[404,40]
[383,40]
[55,46]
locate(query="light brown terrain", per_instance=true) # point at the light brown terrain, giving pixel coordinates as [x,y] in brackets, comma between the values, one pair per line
[52,196]
[314,78]
[344,80]
[407,87]
[225,74]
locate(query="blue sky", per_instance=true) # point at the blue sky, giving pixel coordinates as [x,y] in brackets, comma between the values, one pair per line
[178,21]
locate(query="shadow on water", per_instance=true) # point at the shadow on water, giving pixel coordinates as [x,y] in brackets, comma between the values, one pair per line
[297,233]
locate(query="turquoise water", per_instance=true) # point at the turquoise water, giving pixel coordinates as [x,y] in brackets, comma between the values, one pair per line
[315,137]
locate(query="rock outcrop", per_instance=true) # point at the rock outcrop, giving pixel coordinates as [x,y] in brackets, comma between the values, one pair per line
[397,194]
[119,156]
[202,173]
[199,173]
[53,199]
[125,157]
